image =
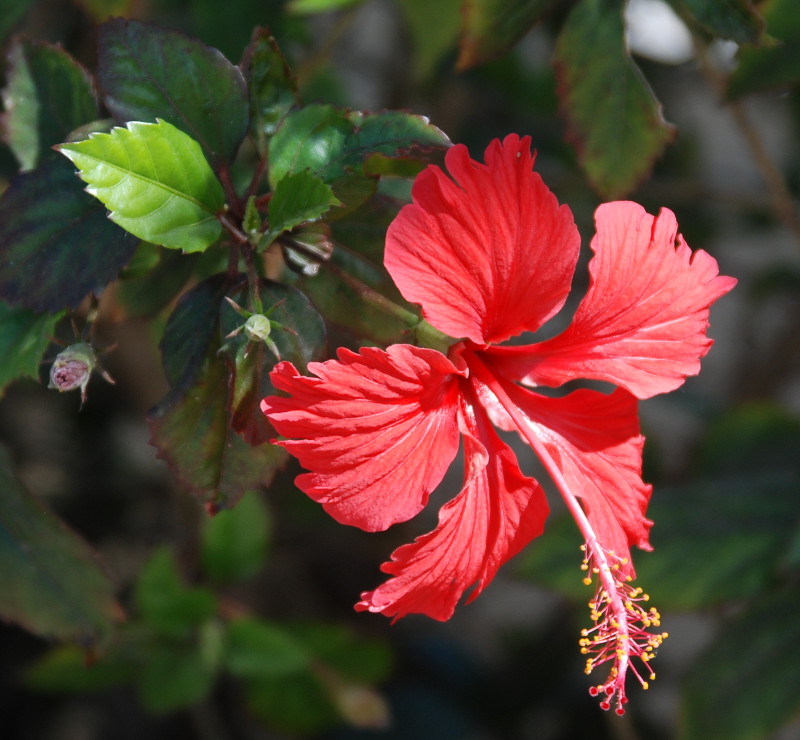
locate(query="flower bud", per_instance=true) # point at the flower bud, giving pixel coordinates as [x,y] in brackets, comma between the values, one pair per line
[72,368]
[257,328]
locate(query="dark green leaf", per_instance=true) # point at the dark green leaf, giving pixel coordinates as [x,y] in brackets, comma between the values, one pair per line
[146,72]
[65,669]
[613,118]
[178,675]
[736,20]
[191,330]
[51,584]
[298,197]
[24,337]
[273,91]
[49,229]
[332,143]
[165,603]
[251,362]
[154,180]
[318,6]
[48,95]
[192,433]
[102,9]
[235,542]
[434,30]
[492,27]
[258,649]
[772,66]
[10,12]
[144,295]
[745,686]
[298,704]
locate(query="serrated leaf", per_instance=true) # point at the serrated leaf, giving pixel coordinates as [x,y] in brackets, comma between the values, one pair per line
[165,603]
[434,31]
[251,362]
[192,433]
[234,543]
[48,95]
[618,132]
[492,27]
[332,143]
[297,198]
[737,20]
[155,182]
[772,66]
[51,584]
[146,72]
[50,228]
[24,337]
[744,687]
[273,91]
[257,649]
[191,330]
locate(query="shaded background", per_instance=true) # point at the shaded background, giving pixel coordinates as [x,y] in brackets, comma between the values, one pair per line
[723,452]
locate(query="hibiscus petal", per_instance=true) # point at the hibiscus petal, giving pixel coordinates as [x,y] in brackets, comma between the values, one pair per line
[377,430]
[642,324]
[594,439]
[496,514]
[488,254]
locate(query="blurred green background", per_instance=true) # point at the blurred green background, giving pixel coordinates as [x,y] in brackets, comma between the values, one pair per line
[723,452]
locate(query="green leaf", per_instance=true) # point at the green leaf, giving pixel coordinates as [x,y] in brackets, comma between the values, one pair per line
[10,12]
[736,20]
[49,229]
[257,649]
[250,362]
[434,31]
[178,675]
[147,72]
[154,180]
[332,143]
[193,435]
[48,95]
[147,294]
[744,687]
[191,330]
[235,542]
[298,197]
[492,27]
[295,705]
[102,9]
[24,337]
[613,118]
[273,91]
[318,6]
[165,603]
[772,66]
[51,584]
[65,669]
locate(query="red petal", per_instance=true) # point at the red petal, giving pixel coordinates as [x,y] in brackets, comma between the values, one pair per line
[377,430]
[490,255]
[594,439]
[642,324]
[497,513]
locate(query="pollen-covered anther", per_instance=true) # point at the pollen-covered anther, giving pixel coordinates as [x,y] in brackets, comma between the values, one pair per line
[620,634]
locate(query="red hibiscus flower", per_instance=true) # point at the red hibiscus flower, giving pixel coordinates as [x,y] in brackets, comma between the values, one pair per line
[489,255]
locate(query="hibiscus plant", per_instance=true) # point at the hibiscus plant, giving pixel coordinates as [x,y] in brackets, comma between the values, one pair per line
[347,299]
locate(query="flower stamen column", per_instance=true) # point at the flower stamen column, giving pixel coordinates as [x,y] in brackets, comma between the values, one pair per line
[620,623]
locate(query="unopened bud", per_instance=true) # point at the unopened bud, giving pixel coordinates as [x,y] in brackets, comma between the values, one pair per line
[257,328]
[72,368]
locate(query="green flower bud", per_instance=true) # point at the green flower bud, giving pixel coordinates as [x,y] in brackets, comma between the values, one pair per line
[257,328]
[72,368]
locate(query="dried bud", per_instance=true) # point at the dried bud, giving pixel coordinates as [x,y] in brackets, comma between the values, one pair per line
[257,328]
